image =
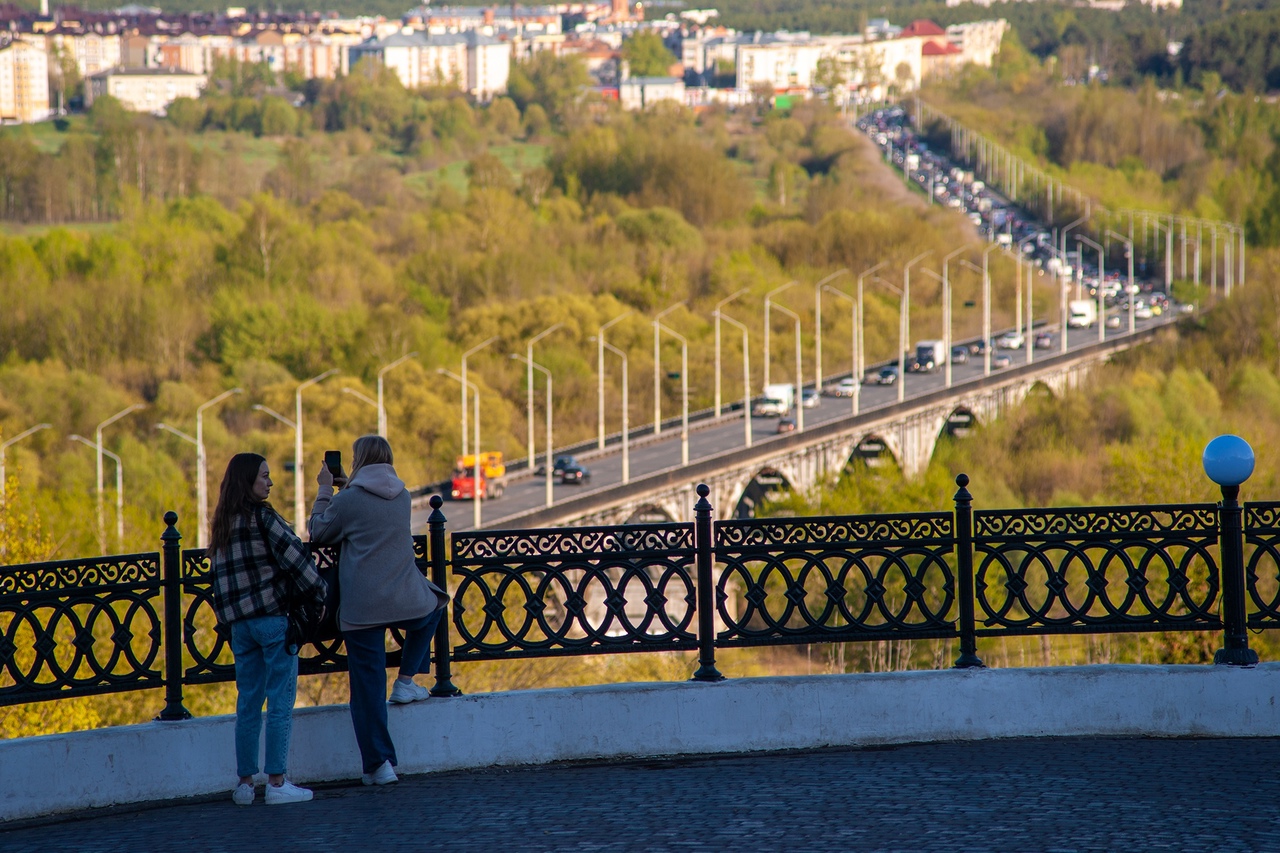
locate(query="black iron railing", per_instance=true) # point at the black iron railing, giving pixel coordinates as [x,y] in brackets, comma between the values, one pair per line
[106,624]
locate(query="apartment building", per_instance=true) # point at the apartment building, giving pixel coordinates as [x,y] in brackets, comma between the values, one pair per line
[476,63]
[144,90]
[24,80]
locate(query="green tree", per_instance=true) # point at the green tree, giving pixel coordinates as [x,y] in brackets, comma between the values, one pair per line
[646,55]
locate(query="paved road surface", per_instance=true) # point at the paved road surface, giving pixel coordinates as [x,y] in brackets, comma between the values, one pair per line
[1071,794]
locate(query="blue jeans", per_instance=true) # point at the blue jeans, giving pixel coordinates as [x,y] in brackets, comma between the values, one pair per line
[264,671]
[367,672]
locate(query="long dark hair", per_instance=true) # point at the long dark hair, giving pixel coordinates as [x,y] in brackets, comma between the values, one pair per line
[235,497]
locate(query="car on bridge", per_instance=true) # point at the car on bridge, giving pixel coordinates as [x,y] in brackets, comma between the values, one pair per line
[1000,360]
[558,467]
[847,387]
[574,474]
[959,355]
[887,375]
[1044,340]
[786,425]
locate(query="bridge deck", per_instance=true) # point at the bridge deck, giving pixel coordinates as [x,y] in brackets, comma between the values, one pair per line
[1050,794]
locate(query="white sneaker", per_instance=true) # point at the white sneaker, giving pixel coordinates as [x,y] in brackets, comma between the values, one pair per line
[384,775]
[286,793]
[403,694]
[243,794]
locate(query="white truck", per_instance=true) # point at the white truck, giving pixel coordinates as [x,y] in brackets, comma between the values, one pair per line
[930,355]
[1082,313]
[777,400]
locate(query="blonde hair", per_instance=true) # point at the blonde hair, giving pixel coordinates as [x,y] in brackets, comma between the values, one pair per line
[370,450]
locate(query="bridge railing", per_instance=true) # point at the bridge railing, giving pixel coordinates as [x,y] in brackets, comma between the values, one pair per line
[139,621]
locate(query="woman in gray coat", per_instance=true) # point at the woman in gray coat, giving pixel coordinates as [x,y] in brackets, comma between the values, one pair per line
[380,588]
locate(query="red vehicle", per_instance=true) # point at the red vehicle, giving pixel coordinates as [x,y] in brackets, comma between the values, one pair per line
[463,486]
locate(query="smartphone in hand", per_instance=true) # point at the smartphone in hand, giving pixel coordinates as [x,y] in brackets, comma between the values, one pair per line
[333,461]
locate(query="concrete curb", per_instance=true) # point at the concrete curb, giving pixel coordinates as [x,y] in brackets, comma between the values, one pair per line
[157,761]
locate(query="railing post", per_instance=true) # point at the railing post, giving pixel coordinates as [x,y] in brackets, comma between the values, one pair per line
[440,577]
[706,599]
[964,571]
[172,562]
[1235,635]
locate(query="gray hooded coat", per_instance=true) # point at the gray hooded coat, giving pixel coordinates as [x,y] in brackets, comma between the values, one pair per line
[378,580]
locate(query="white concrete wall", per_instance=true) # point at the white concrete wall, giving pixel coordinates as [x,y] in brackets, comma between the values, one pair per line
[160,760]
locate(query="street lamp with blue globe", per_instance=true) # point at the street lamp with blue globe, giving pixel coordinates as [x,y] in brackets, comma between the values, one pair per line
[1228,461]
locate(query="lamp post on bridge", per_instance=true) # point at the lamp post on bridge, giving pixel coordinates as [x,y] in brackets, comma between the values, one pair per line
[363,398]
[746,374]
[258,407]
[465,385]
[382,410]
[529,365]
[1102,274]
[550,442]
[4,446]
[768,301]
[626,423]
[658,327]
[817,315]
[1131,292]
[861,364]
[298,505]
[97,445]
[102,451]
[946,314]
[476,463]
[716,313]
[657,366]
[855,397]
[600,348]
[799,398]
[904,323]
[902,327]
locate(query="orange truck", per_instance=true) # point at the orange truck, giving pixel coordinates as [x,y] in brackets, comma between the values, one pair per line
[493,477]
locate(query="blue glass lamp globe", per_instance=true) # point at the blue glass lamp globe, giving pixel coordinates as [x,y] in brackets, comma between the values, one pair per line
[1228,460]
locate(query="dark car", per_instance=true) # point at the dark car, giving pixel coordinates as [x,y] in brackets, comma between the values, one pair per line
[1000,361]
[977,347]
[1044,340]
[959,355]
[887,376]
[574,474]
[558,468]
[786,425]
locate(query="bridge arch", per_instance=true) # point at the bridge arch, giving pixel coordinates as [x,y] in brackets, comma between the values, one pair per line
[1043,389]
[755,489]
[958,422]
[651,513]
[875,449]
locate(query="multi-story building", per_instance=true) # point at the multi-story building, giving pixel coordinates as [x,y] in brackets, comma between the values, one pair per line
[24,80]
[475,63]
[145,90]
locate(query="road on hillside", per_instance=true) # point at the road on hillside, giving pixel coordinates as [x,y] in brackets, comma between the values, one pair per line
[527,492]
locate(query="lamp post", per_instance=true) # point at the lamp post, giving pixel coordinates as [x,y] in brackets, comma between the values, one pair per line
[298,508]
[1130,291]
[626,422]
[600,348]
[1029,340]
[657,366]
[658,326]
[861,364]
[716,314]
[202,467]
[201,498]
[1072,224]
[946,313]
[5,446]
[364,398]
[294,426]
[102,451]
[768,298]
[382,411]
[746,375]
[902,327]
[550,463]
[799,398]
[1102,275]
[904,323]
[466,355]
[853,345]
[528,360]
[476,464]
[1228,460]
[817,318]
[102,532]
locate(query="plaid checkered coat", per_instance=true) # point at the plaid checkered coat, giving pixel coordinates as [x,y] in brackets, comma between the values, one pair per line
[247,583]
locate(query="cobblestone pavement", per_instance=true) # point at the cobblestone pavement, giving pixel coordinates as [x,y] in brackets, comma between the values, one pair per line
[1024,795]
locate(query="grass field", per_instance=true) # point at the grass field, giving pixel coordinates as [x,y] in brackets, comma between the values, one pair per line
[518,157]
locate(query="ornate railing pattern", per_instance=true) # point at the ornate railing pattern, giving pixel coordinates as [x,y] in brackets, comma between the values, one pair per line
[537,593]
[1262,562]
[98,625]
[811,580]
[79,627]
[1149,568]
